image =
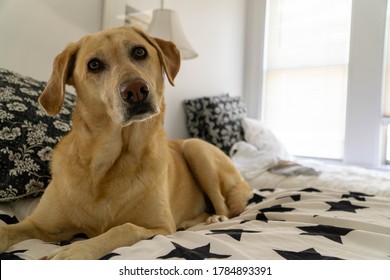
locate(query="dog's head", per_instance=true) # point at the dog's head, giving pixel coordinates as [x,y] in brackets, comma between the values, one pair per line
[117,72]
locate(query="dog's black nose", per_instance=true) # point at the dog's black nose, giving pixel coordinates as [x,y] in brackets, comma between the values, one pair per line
[134,91]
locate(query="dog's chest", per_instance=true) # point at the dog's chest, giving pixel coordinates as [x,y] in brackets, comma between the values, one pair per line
[115,203]
[113,192]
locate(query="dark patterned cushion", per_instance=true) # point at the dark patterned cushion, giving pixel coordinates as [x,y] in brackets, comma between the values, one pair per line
[27,136]
[216,119]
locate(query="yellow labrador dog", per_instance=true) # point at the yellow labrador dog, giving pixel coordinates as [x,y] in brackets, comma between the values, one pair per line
[115,176]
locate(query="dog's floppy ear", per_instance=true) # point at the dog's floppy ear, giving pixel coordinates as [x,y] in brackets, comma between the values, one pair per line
[52,97]
[168,54]
[169,57]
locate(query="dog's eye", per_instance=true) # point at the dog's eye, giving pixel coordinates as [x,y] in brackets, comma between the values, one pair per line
[139,53]
[95,65]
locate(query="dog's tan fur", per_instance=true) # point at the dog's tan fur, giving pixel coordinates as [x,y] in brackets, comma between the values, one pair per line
[115,176]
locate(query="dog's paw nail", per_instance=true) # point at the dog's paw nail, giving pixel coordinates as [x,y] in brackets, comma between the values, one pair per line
[216,219]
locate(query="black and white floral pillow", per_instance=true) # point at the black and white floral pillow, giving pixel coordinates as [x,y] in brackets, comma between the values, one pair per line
[27,136]
[216,119]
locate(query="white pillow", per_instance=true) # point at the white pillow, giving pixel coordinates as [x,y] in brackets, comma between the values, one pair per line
[260,136]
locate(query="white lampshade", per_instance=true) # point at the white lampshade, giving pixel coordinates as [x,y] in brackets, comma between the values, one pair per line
[166,25]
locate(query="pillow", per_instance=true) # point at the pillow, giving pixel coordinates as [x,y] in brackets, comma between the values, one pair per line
[216,120]
[260,136]
[27,136]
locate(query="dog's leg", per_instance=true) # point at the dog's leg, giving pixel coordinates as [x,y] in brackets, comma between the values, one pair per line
[218,178]
[96,247]
[201,163]
[12,234]
[45,223]
[27,229]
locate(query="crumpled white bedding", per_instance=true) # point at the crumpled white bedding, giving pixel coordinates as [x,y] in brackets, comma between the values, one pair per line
[331,176]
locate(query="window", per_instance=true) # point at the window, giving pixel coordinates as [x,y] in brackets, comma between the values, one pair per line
[306,74]
[362,116]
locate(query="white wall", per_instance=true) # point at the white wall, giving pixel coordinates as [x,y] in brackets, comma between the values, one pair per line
[32,32]
[216,31]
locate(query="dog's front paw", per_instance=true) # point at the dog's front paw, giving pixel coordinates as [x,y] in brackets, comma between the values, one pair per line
[75,251]
[216,219]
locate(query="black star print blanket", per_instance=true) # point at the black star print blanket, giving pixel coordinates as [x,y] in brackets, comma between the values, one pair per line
[343,213]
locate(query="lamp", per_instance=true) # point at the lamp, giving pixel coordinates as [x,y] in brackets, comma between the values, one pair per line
[166,25]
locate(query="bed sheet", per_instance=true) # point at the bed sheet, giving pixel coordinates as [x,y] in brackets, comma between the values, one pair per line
[305,222]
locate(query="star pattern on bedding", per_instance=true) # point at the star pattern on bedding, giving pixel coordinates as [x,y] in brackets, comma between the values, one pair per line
[329,232]
[309,254]
[256,199]
[267,190]
[109,256]
[268,210]
[261,216]
[357,195]
[8,219]
[233,233]
[343,205]
[198,253]
[12,255]
[277,208]
[294,197]
[310,190]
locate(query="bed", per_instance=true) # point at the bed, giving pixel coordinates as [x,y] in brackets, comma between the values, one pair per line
[297,210]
